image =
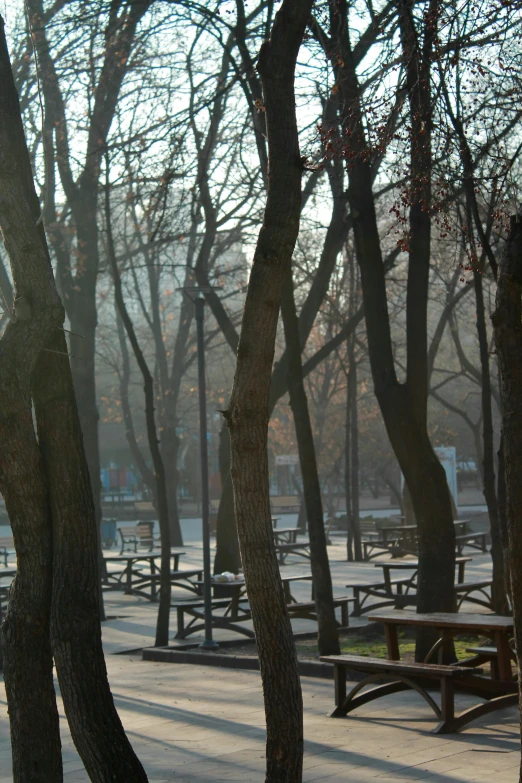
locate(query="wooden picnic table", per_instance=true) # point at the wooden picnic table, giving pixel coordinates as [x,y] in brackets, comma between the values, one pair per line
[239,586]
[134,581]
[237,610]
[285,535]
[500,690]
[448,624]
[413,565]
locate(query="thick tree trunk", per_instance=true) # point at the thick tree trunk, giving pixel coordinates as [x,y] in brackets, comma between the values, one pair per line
[28,663]
[328,638]
[74,629]
[498,588]
[75,623]
[404,406]
[247,415]
[507,322]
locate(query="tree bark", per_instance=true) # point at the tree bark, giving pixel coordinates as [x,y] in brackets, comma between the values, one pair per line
[247,415]
[328,638]
[507,322]
[348,470]
[354,455]
[498,588]
[227,556]
[71,624]
[404,406]
[162,624]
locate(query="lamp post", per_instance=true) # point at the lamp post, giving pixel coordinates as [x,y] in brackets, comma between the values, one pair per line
[196,294]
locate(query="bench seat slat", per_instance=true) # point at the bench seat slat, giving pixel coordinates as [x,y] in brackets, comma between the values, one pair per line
[362,663]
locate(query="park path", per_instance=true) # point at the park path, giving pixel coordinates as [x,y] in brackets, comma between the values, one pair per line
[193,724]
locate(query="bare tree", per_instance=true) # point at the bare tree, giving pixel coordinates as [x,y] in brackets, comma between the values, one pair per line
[54,606]
[247,413]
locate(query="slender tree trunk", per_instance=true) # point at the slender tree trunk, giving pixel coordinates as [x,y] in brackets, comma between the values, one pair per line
[328,638]
[169,453]
[348,469]
[507,322]
[162,624]
[354,457]
[498,589]
[247,415]
[227,546]
[502,515]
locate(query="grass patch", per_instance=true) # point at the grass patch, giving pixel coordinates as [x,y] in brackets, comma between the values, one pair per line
[356,644]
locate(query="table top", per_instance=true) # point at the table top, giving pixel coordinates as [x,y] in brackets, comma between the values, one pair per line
[140,555]
[278,530]
[459,620]
[414,564]
[241,582]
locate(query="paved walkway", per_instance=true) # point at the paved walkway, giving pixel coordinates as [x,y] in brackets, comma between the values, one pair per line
[193,724]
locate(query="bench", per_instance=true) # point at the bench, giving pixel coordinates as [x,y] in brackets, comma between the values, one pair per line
[195,609]
[400,676]
[295,548]
[308,610]
[134,536]
[6,543]
[473,540]
[485,654]
[464,592]
[378,590]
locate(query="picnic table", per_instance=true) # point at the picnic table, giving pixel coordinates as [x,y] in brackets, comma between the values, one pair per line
[134,580]
[500,690]
[285,535]
[395,592]
[400,540]
[413,565]
[237,610]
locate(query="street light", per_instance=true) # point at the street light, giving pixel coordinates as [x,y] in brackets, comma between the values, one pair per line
[196,294]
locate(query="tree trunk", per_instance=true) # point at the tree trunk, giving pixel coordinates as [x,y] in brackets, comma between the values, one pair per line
[247,415]
[28,663]
[403,405]
[227,546]
[74,628]
[162,624]
[507,322]
[502,515]
[498,588]
[328,638]
[348,471]
[169,453]
[354,457]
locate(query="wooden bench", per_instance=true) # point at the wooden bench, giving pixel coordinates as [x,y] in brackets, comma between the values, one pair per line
[464,592]
[308,610]
[6,543]
[485,654]
[361,593]
[473,540]
[195,610]
[400,676]
[134,536]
